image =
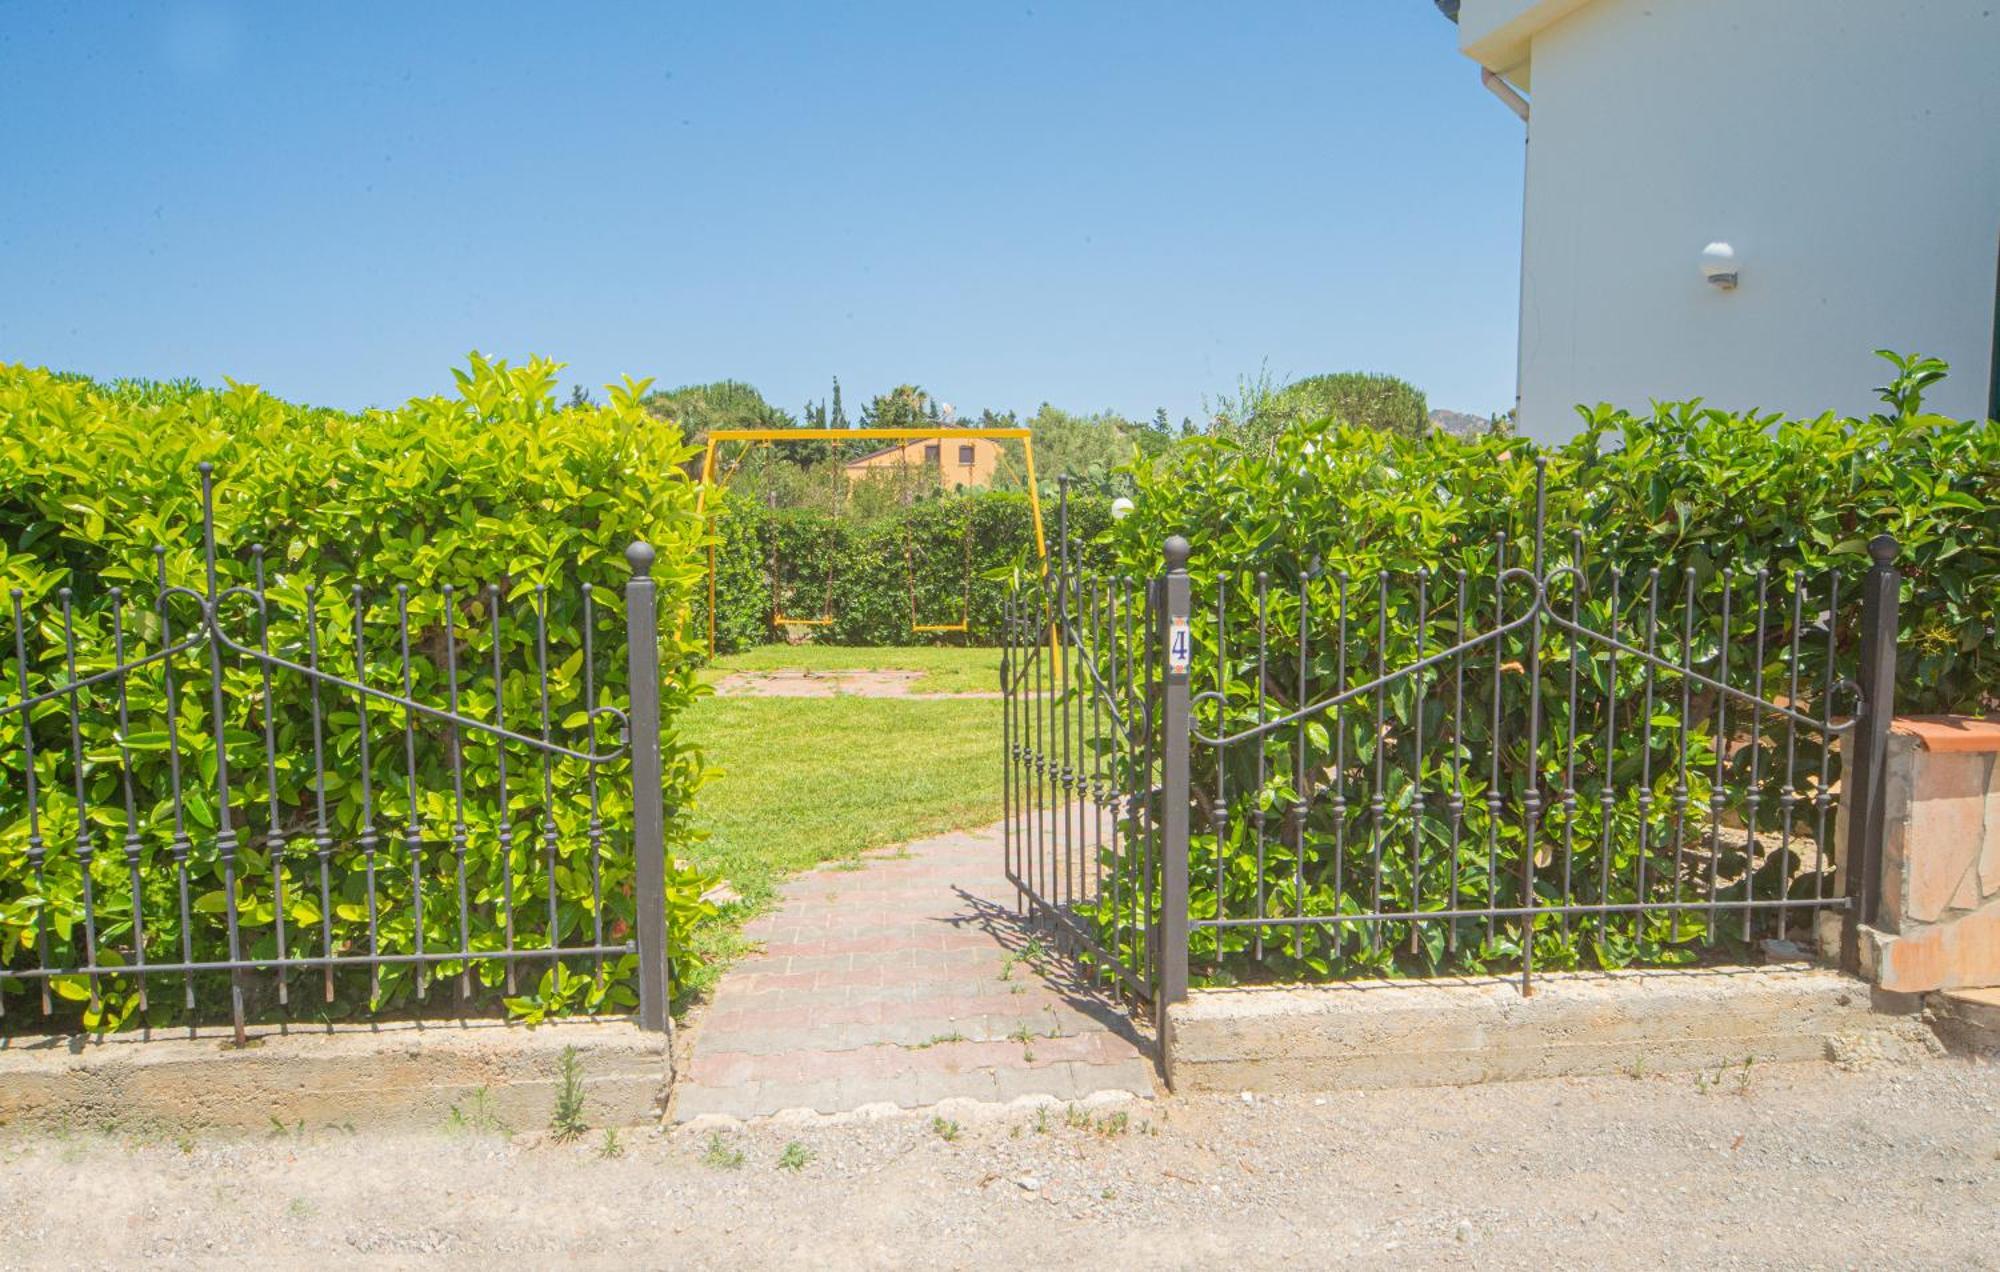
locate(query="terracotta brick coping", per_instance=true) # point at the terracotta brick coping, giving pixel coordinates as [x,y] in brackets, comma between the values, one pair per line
[1951,733]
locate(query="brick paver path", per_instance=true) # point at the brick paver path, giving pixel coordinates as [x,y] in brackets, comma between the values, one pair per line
[907,981]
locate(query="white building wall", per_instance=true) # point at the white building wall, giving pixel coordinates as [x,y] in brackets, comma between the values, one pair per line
[1848,149]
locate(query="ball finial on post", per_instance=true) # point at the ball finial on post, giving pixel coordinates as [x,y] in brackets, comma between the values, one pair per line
[1882,549]
[1177,551]
[640,557]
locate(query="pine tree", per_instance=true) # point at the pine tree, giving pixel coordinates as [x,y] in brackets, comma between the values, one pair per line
[839,419]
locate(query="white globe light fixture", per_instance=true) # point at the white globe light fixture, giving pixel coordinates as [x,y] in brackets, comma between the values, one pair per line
[1719,267]
[1121,508]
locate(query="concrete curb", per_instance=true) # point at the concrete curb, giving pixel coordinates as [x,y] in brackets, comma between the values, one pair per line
[1450,1033]
[402,1076]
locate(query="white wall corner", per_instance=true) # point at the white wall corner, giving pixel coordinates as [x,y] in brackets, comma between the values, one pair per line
[1499,34]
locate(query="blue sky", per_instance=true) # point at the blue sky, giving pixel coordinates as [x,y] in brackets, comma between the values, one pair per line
[1101,205]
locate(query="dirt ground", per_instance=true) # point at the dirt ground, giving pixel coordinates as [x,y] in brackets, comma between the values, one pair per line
[887,683]
[1806,1165]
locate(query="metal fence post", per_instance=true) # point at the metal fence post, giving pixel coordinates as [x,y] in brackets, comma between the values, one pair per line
[1175,637]
[1868,767]
[649,845]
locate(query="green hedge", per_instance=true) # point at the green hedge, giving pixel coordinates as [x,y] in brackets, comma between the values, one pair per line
[1683,488]
[492,484]
[960,551]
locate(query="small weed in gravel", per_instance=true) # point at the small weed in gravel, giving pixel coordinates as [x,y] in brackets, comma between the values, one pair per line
[796,1157]
[610,1147]
[567,1123]
[720,1155]
[944,1129]
[476,1116]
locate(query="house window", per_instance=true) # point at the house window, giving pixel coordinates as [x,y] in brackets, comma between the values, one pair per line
[932,452]
[965,455]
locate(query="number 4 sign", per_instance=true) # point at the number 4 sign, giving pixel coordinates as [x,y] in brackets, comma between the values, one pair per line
[1180,647]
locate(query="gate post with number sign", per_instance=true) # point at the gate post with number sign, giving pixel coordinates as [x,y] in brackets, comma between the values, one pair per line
[1177,639]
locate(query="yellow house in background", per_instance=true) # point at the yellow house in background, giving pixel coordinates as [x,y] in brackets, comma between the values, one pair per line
[958,461]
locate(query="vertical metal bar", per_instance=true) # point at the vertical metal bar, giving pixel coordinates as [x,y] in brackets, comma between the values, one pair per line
[1455,806]
[1007,741]
[1572,651]
[1823,795]
[1378,805]
[225,832]
[85,841]
[1607,792]
[1531,798]
[1755,797]
[1104,753]
[549,835]
[1681,789]
[35,850]
[322,834]
[134,844]
[274,835]
[1097,762]
[1496,803]
[1417,760]
[504,815]
[1646,744]
[1717,801]
[1140,790]
[1065,792]
[595,833]
[1219,813]
[1788,793]
[182,846]
[368,841]
[1257,818]
[1175,615]
[413,828]
[1301,808]
[1868,777]
[1338,805]
[649,827]
[1035,760]
[460,835]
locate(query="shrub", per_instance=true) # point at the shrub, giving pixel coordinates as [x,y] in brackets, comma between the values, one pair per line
[1351,397]
[1683,488]
[491,485]
[957,551]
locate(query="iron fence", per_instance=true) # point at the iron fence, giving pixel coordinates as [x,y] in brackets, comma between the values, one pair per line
[234,787]
[1528,755]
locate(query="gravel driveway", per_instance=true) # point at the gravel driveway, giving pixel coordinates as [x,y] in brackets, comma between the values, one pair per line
[1804,1165]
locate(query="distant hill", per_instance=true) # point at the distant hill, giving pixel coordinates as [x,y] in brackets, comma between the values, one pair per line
[1459,424]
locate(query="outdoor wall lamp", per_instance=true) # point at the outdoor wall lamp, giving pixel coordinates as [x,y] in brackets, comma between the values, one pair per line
[1718,266]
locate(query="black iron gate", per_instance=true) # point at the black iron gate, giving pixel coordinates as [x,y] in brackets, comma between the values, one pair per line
[1532,758]
[1082,693]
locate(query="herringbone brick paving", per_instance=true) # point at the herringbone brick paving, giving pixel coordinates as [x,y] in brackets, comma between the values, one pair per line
[907,981]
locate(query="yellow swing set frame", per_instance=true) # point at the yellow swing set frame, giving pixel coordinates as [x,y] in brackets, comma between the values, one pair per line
[722,436]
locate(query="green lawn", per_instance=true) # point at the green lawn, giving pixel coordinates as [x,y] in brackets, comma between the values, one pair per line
[947,669]
[800,781]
